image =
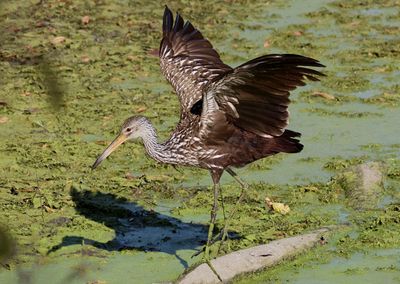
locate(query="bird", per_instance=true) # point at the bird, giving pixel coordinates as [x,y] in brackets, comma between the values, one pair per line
[229,117]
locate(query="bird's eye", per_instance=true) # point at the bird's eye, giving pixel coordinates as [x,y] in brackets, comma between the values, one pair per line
[128,129]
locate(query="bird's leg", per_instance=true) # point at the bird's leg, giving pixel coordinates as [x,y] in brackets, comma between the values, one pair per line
[222,205]
[216,175]
[237,178]
[220,234]
[212,223]
[244,186]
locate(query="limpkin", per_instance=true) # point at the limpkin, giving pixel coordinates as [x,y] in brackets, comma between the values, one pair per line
[229,117]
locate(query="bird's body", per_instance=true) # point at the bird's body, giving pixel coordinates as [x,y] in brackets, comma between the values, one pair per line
[240,147]
[229,117]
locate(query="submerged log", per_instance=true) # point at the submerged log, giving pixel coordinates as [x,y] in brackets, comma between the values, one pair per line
[253,259]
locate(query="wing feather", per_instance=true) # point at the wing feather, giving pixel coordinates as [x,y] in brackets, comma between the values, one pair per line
[187,60]
[255,95]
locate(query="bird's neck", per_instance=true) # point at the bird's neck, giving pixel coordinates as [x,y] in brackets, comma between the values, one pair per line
[168,152]
[155,150]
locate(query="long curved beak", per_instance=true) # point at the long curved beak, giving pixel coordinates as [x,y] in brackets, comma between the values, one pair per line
[114,145]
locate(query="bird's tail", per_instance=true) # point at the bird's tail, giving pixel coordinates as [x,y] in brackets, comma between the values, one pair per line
[288,142]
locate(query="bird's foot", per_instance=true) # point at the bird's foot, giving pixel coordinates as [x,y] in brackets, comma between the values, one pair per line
[206,258]
[200,251]
[221,237]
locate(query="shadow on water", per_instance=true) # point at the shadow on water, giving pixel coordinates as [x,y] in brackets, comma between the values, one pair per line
[135,227]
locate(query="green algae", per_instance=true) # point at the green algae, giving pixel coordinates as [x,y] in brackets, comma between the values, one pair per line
[358,268]
[385,99]
[60,100]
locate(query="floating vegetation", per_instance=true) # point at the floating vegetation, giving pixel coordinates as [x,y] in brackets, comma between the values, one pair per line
[74,70]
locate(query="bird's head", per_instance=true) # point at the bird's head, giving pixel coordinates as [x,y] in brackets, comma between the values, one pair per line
[133,127]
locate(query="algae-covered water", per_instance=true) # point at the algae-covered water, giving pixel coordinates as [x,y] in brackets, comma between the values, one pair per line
[72,71]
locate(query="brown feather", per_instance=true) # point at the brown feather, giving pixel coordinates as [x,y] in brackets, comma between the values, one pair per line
[187,60]
[229,117]
[261,90]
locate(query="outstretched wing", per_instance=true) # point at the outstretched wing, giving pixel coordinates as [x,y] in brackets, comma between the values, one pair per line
[255,95]
[187,60]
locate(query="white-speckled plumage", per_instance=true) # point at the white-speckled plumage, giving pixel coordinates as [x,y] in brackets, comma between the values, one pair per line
[229,116]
